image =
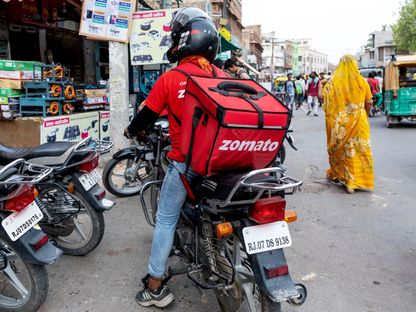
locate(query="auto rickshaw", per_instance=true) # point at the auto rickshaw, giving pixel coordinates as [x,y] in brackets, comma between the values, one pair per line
[400,89]
[279,87]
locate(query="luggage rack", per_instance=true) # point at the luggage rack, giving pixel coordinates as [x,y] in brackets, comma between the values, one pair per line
[23,172]
[282,183]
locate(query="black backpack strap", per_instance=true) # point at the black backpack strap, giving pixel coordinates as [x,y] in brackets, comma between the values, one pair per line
[195,120]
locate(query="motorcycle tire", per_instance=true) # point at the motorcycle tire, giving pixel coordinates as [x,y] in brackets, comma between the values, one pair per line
[281,155]
[120,192]
[38,290]
[97,232]
[263,304]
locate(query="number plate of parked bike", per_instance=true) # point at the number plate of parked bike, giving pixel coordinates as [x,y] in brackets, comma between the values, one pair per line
[265,237]
[18,223]
[90,179]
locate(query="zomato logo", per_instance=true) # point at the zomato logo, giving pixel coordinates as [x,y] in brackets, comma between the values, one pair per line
[236,145]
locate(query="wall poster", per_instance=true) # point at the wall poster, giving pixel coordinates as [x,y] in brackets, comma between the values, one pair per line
[107,19]
[150,37]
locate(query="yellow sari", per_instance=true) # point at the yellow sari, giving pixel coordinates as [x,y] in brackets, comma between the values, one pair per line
[347,126]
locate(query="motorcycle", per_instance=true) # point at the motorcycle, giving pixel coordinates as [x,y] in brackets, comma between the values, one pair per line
[24,249]
[281,154]
[71,201]
[131,167]
[231,232]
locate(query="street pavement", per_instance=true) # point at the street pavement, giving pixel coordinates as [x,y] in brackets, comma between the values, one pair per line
[354,253]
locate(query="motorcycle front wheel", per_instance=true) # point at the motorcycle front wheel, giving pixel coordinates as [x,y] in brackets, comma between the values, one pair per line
[124,177]
[23,286]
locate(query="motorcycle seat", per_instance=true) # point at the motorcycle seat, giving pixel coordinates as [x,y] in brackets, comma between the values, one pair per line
[54,149]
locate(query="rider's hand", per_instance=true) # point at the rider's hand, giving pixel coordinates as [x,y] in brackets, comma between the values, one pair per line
[126,133]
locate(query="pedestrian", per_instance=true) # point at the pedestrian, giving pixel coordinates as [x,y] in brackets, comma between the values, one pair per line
[289,88]
[347,100]
[375,89]
[379,77]
[312,90]
[194,46]
[232,67]
[299,91]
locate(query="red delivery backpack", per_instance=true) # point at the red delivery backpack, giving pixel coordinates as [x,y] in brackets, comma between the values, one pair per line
[230,125]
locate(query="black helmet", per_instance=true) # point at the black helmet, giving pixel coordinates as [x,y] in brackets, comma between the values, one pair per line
[193,33]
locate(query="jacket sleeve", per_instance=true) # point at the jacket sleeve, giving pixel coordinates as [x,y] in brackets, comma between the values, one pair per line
[145,118]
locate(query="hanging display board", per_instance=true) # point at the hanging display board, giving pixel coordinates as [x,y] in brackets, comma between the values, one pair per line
[107,19]
[150,37]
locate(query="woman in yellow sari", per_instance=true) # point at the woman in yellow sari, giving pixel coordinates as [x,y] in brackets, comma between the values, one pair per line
[347,99]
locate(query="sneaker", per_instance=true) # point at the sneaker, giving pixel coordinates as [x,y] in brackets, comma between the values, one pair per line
[316,115]
[308,113]
[160,298]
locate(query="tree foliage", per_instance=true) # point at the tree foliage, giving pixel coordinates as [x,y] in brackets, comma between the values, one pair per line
[404,31]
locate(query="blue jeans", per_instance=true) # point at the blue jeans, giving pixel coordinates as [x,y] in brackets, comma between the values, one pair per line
[172,198]
[290,101]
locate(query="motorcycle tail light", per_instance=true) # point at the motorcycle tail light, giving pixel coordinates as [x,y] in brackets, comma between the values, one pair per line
[90,165]
[267,210]
[224,230]
[40,243]
[276,272]
[24,197]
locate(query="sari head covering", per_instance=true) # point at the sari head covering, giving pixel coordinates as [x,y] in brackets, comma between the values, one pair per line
[347,126]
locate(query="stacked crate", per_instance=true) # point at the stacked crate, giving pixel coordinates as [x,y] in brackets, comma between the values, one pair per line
[13,74]
[47,96]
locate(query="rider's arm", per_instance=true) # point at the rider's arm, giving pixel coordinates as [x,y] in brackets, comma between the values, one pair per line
[145,118]
[155,103]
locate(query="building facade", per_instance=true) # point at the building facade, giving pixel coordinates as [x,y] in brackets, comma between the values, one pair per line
[252,34]
[379,49]
[309,59]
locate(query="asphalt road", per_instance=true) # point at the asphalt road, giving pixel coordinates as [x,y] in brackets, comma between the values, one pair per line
[354,253]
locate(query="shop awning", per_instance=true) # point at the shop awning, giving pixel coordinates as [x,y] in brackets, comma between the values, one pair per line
[227,45]
[251,68]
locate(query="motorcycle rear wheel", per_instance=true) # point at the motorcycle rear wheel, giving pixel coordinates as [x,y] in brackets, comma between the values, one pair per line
[89,241]
[117,171]
[35,283]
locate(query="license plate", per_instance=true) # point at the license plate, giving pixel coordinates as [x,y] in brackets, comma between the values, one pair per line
[18,223]
[265,237]
[88,180]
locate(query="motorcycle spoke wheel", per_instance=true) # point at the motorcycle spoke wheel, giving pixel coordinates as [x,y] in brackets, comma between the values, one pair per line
[87,232]
[125,177]
[23,286]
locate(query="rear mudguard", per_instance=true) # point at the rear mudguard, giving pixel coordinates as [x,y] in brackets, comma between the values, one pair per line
[131,151]
[92,195]
[47,254]
[278,289]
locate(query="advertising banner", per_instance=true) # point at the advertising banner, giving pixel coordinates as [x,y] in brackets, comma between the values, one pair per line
[70,128]
[107,19]
[150,37]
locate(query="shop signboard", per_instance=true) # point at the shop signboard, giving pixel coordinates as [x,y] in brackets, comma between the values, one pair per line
[71,128]
[107,19]
[150,37]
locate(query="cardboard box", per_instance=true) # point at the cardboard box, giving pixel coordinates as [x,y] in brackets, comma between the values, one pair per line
[11,84]
[20,74]
[33,131]
[91,93]
[96,100]
[11,92]
[10,65]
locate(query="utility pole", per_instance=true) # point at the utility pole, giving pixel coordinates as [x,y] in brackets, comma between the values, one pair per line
[119,92]
[272,62]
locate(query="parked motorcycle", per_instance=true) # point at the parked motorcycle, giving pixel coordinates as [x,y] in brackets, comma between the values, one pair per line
[232,232]
[131,167]
[71,201]
[24,249]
